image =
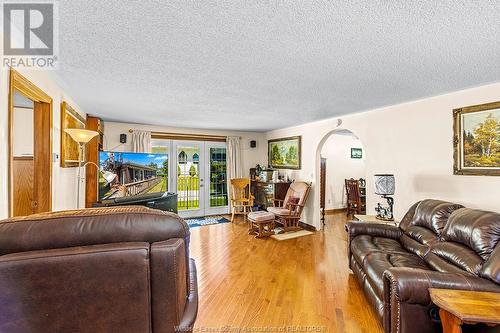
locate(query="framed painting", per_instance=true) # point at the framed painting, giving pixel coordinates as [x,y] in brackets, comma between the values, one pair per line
[356,153]
[69,148]
[476,140]
[285,153]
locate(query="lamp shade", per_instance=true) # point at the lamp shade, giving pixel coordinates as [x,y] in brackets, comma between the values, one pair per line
[385,184]
[81,135]
[109,176]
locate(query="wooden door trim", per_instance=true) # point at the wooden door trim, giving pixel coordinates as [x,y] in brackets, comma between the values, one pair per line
[31,91]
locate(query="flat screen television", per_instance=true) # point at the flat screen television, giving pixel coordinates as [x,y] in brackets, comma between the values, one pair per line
[131,174]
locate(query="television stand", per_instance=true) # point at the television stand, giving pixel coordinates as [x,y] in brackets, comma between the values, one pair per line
[166,201]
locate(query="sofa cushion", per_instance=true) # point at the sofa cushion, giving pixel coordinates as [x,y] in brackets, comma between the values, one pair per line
[260,216]
[414,246]
[453,257]
[491,268]
[476,229]
[433,214]
[363,245]
[376,263]
[423,228]
[279,211]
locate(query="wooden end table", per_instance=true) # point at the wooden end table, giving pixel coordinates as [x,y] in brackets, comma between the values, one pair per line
[457,307]
[372,219]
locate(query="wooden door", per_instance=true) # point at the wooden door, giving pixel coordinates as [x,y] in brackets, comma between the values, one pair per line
[23,185]
[42,158]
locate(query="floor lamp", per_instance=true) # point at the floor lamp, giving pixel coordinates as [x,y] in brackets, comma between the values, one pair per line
[82,137]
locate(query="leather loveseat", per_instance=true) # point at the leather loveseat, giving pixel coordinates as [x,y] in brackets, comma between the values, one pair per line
[437,244]
[97,270]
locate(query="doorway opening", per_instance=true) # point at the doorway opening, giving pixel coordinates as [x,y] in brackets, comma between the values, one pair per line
[341,161]
[197,172]
[30,148]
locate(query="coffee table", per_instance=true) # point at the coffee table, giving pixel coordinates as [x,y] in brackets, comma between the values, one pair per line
[457,307]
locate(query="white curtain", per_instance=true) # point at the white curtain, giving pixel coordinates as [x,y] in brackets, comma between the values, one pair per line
[141,141]
[233,160]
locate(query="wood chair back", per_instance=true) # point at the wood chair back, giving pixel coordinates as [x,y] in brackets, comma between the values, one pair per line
[352,189]
[298,190]
[240,189]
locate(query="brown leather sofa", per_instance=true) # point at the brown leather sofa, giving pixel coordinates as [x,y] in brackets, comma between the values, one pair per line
[437,244]
[97,270]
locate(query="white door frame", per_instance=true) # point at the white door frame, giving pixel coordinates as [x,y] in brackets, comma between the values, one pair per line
[204,174]
[215,210]
[201,172]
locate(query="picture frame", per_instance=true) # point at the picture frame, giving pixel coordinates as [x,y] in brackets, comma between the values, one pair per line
[476,140]
[356,153]
[69,148]
[285,153]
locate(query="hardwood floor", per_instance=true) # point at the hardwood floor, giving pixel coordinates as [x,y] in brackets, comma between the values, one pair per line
[246,282]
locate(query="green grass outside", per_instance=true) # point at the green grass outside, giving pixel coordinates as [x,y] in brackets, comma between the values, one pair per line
[186,183]
[194,204]
[160,187]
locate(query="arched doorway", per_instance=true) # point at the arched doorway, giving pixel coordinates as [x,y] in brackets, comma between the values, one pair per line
[341,164]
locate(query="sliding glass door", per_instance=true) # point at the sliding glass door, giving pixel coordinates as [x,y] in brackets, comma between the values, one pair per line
[197,173]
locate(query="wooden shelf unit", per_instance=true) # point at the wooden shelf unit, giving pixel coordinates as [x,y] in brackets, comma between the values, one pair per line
[92,149]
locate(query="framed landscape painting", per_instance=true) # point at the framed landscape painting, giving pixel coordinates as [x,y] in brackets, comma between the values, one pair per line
[69,148]
[285,153]
[477,140]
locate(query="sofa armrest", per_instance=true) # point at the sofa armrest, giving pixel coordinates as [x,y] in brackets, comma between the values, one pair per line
[191,309]
[355,228]
[410,286]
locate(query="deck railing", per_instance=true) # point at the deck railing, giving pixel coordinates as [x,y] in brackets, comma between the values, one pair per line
[188,191]
[140,186]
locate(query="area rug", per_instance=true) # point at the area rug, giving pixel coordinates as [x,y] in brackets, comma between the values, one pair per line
[207,220]
[291,235]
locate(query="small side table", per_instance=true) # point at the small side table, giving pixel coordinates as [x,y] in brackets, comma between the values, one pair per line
[457,307]
[370,219]
[373,219]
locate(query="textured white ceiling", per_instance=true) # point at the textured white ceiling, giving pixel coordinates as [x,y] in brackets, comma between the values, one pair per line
[260,65]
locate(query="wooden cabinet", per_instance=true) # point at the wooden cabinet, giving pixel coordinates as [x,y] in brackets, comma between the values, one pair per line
[265,192]
[91,172]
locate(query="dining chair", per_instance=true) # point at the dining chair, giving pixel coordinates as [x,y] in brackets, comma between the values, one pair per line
[241,198]
[354,202]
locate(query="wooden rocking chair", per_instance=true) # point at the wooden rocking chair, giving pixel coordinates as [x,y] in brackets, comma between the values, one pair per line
[289,210]
[241,198]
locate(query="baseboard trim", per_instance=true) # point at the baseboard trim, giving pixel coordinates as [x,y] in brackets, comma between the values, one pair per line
[307,227]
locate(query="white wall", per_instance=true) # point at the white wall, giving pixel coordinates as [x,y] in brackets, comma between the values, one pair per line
[340,166]
[250,156]
[412,140]
[63,179]
[22,144]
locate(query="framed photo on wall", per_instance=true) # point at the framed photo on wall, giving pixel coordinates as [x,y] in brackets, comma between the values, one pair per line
[476,141]
[356,153]
[285,153]
[69,148]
